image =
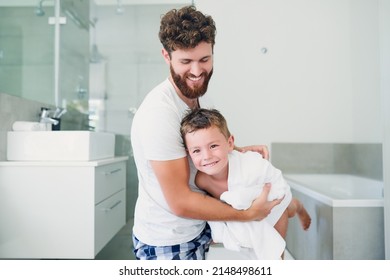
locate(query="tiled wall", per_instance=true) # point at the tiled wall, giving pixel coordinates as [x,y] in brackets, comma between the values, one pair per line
[358,159]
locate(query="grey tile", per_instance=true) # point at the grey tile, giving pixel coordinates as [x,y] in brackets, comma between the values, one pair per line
[346,158]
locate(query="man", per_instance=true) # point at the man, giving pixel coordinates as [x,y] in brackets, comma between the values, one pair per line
[170,213]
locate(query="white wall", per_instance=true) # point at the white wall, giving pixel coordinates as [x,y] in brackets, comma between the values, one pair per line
[322,80]
[318,81]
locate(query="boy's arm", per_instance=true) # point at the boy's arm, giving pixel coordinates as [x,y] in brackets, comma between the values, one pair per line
[202,181]
[173,177]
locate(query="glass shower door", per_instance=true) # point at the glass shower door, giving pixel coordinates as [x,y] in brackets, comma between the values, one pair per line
[27,49]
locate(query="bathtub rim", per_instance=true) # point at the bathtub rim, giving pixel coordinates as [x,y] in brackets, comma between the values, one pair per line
[302,187]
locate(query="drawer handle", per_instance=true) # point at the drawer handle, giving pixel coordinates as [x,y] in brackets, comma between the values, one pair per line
[113,206]
[112,171]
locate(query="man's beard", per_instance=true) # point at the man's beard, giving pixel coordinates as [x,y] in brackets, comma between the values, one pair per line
[187,91]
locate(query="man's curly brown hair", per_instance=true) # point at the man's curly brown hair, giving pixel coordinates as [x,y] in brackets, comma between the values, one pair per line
[186,28]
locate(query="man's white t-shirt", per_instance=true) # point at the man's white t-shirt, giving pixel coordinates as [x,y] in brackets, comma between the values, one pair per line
[155,135]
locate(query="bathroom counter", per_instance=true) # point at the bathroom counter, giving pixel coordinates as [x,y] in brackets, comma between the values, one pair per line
[65,163]
[60,210]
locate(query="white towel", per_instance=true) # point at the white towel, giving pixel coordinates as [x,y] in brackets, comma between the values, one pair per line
[248,173]
[259,236]
[28,126]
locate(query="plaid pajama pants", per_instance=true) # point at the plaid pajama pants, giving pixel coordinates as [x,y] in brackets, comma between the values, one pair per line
[192,250]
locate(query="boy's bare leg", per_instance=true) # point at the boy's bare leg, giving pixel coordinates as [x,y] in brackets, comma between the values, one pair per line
[296,207]
[281,226]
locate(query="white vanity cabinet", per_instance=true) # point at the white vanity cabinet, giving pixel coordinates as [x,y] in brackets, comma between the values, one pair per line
[60,210]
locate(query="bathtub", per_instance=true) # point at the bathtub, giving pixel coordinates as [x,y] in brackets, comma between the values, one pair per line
[347,217]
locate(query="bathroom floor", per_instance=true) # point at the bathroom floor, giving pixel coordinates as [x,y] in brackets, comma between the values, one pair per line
[120,248]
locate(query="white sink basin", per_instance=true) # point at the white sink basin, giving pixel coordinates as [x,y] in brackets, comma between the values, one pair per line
[59,145]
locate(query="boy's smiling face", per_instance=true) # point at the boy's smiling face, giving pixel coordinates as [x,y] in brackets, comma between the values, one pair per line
[209,150]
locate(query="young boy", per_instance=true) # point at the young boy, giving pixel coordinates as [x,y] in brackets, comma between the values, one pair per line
[237,178]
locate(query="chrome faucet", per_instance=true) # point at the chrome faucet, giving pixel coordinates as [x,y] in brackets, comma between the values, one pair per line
[45,117]
[49,120]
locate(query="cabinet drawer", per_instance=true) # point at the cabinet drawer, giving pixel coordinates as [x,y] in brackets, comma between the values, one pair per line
[109,179]
[109,219]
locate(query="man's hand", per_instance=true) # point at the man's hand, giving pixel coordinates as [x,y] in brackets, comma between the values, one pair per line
[261,149]
[261,207]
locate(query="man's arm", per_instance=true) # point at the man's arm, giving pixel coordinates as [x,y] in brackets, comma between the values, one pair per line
[261,149]
[173,177]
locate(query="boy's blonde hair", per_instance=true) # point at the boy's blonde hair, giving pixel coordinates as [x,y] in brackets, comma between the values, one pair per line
[203,118]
